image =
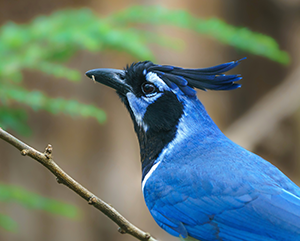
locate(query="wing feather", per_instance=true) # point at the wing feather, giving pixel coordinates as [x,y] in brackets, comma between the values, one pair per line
[227,217]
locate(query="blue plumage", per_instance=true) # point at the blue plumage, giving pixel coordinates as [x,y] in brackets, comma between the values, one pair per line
[196,182]
[222,189]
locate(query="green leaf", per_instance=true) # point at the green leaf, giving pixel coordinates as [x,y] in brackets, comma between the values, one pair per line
[14,119]
[8,223]
[238,37]
[34,201]
[47,42]
[59,71]
[38,100]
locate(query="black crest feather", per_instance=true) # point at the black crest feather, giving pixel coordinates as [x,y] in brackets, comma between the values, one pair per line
[211,78]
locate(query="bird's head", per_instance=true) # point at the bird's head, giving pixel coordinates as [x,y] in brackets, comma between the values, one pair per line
[158,96]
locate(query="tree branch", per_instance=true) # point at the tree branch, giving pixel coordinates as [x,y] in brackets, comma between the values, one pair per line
[62,177]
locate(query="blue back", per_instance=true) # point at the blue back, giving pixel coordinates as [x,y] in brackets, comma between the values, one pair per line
[209,188]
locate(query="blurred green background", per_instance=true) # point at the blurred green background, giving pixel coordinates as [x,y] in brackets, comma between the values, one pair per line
[47,46]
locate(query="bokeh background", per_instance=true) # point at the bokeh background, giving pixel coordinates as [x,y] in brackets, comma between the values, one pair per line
[263,115]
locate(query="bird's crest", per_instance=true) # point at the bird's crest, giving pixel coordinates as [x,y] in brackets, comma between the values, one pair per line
[211,78]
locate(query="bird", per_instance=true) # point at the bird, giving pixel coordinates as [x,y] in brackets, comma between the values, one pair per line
[196,182]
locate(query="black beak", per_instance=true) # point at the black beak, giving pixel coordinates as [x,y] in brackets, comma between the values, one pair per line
[113,78]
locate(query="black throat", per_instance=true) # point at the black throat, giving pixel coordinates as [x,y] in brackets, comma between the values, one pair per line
[162,119]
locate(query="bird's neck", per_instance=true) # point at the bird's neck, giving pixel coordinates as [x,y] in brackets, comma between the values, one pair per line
[194,123]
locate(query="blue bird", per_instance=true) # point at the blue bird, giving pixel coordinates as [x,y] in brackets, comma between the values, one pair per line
[198,184]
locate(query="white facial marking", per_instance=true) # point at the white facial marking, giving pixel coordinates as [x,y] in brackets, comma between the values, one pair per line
[158,82]
[139,107]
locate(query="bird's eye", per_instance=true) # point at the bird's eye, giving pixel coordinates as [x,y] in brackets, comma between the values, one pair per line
[148,88]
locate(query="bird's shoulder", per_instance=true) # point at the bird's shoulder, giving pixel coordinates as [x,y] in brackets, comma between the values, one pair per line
[217,164]
[194,197]
[199,187]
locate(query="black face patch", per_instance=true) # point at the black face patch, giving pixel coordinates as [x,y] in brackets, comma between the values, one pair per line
[164,113]
[162,118]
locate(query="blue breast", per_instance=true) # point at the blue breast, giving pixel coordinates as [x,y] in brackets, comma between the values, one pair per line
[207,187]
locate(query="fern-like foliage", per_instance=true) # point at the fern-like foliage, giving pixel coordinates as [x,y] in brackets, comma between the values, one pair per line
[13,194]
[238,37]
[47,42]
[8,223]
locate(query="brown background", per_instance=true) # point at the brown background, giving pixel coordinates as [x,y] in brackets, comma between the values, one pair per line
[105,158]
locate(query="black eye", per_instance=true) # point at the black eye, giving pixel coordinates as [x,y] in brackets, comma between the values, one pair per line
[148,88]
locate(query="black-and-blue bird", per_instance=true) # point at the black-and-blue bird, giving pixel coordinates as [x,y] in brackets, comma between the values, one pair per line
[198,184]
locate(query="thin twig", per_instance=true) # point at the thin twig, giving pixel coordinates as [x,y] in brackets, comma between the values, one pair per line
[62,177]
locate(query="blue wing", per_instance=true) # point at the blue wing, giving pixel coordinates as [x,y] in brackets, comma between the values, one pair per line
[230,202]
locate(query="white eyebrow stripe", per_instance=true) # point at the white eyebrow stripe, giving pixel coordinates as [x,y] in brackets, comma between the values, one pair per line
[158,82]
